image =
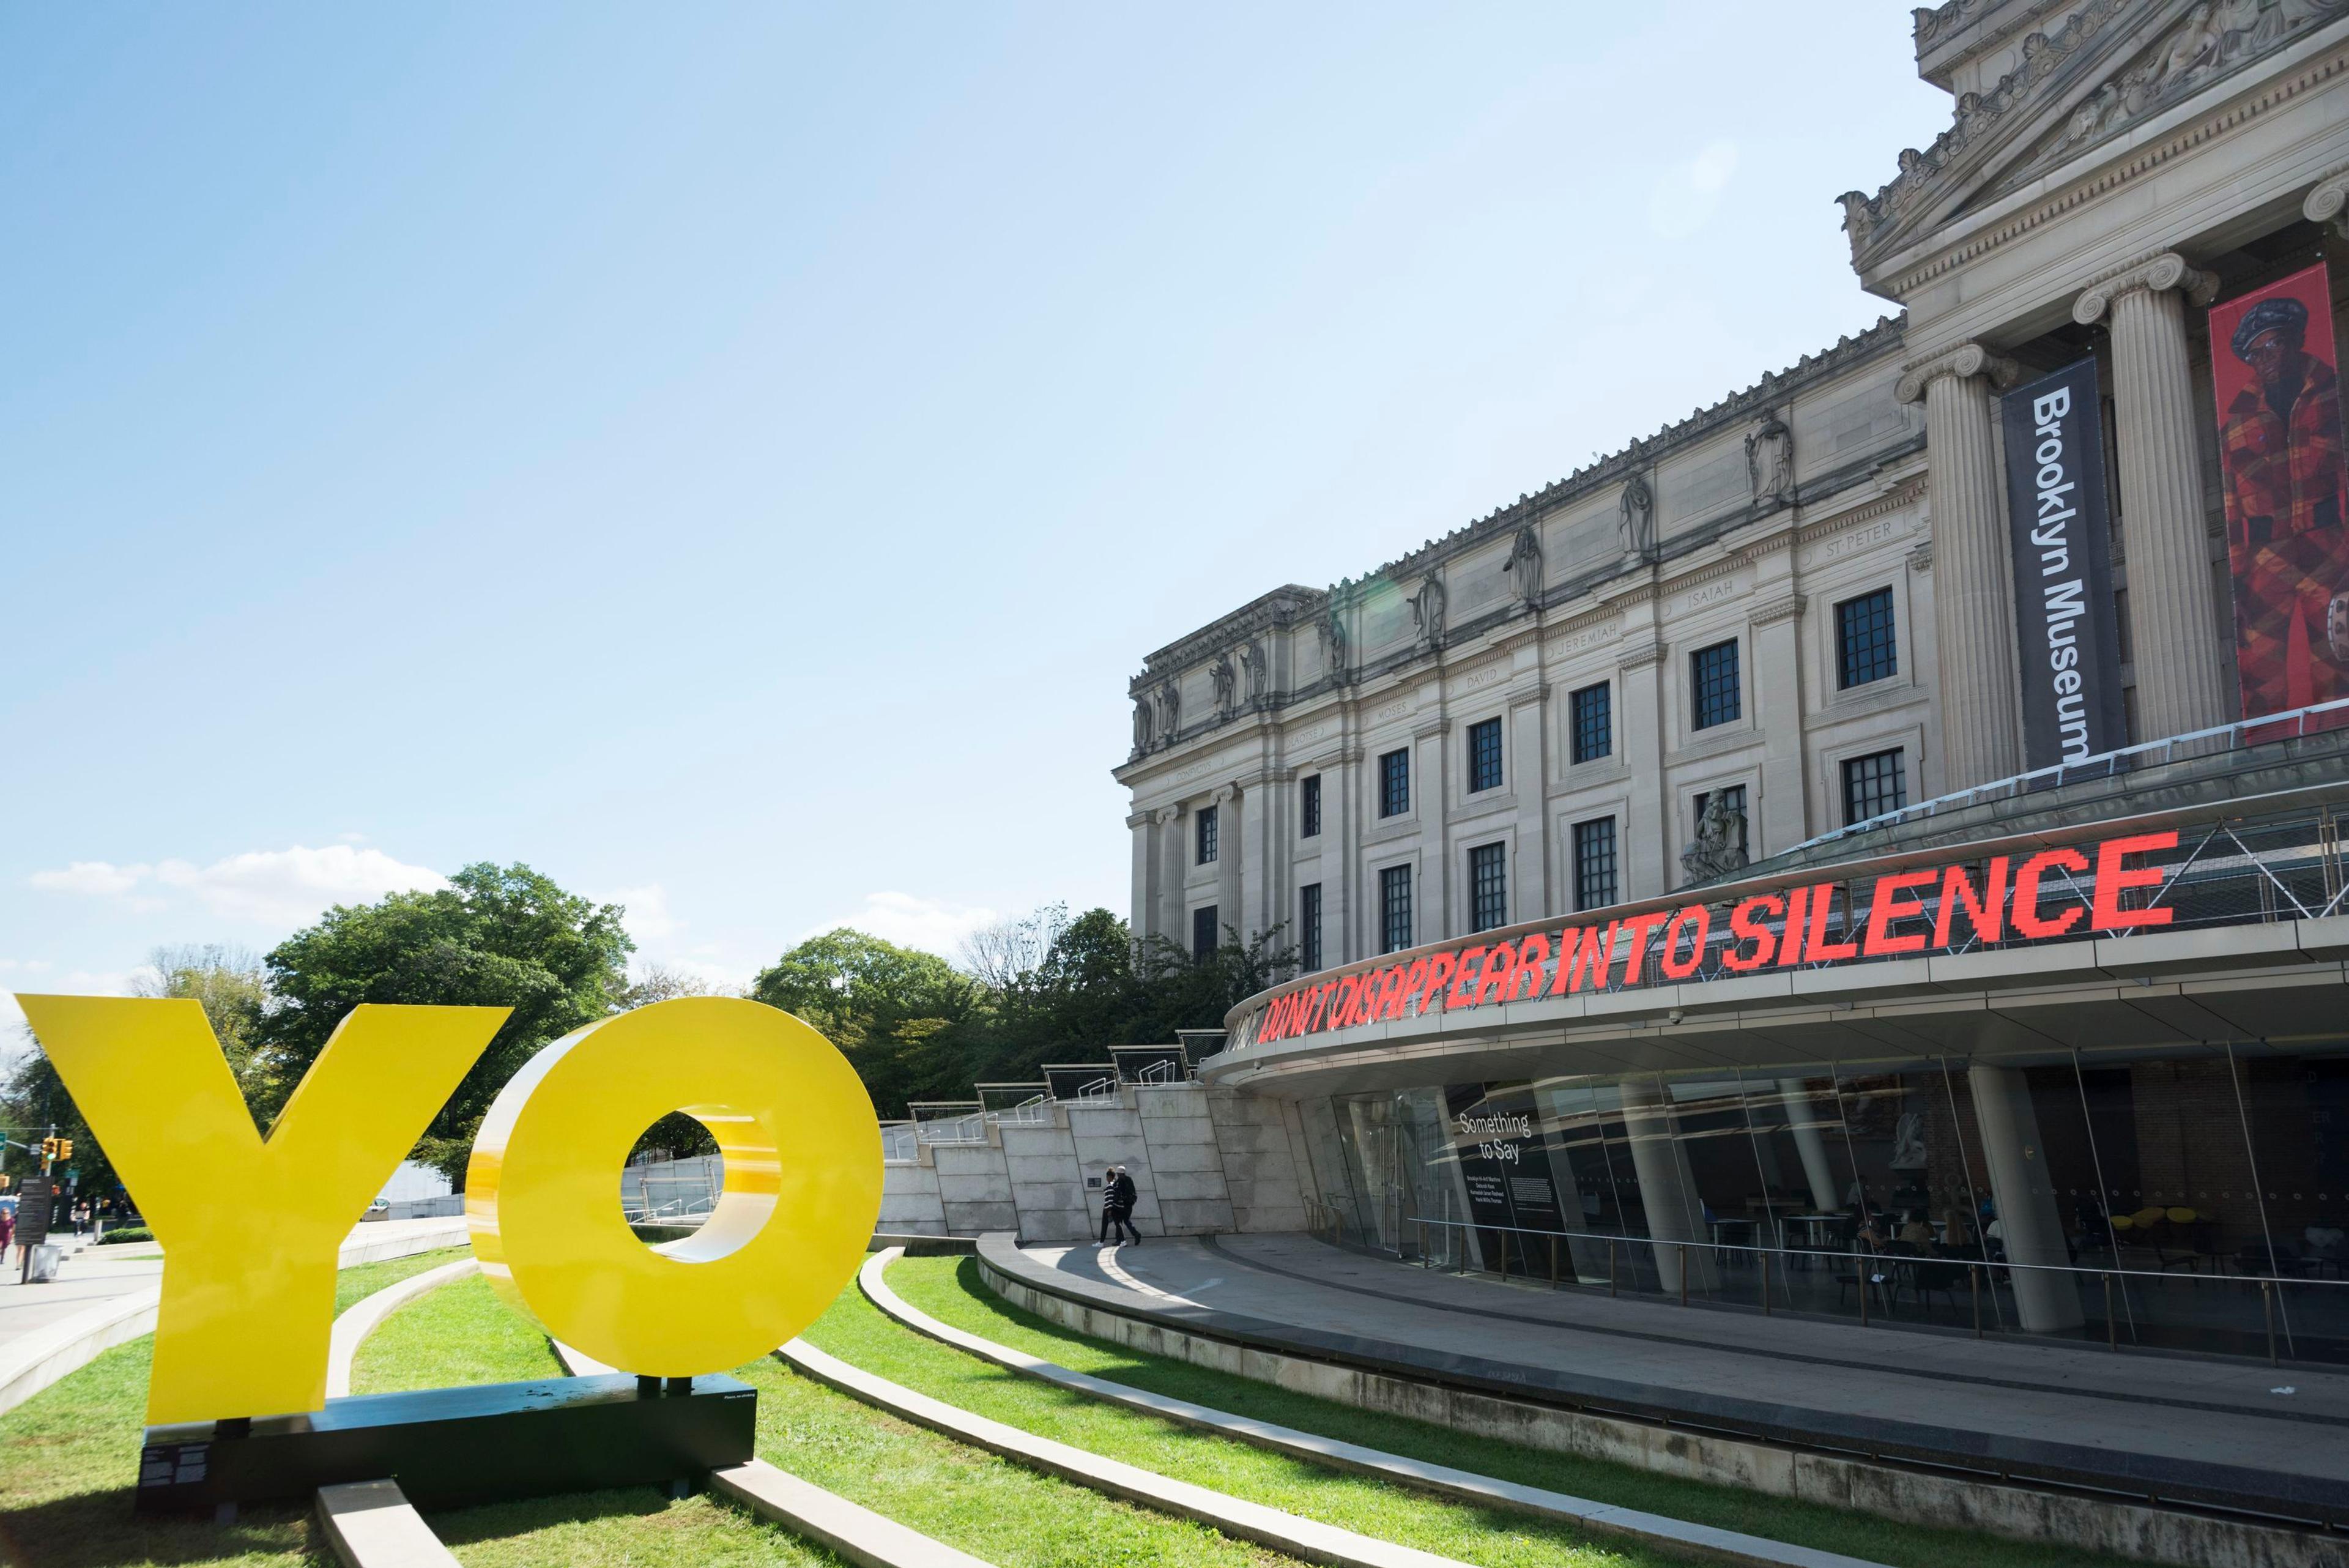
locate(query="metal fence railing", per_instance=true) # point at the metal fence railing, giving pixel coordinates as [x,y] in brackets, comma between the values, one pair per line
[2291,724]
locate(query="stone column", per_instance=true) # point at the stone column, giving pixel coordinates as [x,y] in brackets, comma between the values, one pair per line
[1231,858]
[1528,775]
[1803,1121]
[2034,1231]
[1433,770]
[1643,839]
[1668,1194]
[1780,819]
[2173,611]
[1973,598]
[1175,865]
[1145,877]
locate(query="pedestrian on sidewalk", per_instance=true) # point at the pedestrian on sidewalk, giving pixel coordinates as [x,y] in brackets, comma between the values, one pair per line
[7,1231]
[1117,1206]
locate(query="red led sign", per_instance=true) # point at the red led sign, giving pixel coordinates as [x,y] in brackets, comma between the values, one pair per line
[1909,912]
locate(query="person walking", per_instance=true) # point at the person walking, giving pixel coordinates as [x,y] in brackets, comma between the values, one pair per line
[7,1230]
[1117,1208]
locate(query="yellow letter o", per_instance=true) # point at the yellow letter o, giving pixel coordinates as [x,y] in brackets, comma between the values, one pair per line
[803,1184]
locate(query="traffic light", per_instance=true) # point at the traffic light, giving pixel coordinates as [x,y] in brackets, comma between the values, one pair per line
[49,1147]
[65,1148]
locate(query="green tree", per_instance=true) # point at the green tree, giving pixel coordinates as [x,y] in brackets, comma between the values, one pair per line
[227,981]
[905,1020]
[497,937]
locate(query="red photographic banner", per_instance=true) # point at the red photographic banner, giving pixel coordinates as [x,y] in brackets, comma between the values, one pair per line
[2005,899]
[2275,367]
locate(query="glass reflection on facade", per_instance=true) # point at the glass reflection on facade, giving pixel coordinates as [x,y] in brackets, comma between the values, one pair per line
[2192,1200]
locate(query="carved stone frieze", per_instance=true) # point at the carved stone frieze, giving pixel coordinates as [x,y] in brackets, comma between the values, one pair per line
[2211,41]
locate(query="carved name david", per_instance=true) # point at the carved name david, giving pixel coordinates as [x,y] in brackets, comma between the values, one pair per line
[1908,913]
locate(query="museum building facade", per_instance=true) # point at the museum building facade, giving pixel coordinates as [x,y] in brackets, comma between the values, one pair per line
[1890,814]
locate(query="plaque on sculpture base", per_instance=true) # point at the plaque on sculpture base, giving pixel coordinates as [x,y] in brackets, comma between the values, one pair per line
[452,1448]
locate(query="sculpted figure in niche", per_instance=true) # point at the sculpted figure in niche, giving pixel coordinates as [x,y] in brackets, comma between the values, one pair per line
[1525,564]
[1226,682]
[1141,724]
[1716,850]
[1427,610]
[1170,712]
[1638,527]
[1252,663]
[1333,641]
[1770,461]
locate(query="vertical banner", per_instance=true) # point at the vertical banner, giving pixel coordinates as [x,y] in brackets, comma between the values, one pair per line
[2061,532]
[2274,361]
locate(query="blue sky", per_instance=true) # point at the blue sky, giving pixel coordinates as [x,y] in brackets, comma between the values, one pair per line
[732,458]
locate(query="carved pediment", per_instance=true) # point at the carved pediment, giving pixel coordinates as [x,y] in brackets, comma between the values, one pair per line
[2112,65]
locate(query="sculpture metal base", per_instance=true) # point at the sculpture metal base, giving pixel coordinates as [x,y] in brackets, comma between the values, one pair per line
[452,1448]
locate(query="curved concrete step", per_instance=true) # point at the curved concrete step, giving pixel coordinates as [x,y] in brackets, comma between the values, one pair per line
[1298,1536]
[1599,1518]
[364,1315]
[371,1524]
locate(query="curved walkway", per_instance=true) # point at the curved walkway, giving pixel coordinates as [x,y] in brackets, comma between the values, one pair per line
[1966,1401]
[1599,1517]
[107,1296]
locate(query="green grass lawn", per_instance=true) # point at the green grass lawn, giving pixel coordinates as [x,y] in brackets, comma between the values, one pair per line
[450,1338]
[966,1496]
[69,1456]
[949,1289]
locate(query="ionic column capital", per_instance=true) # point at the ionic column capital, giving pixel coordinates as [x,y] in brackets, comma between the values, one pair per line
[1961,361]
[2156,274]
[2329,202]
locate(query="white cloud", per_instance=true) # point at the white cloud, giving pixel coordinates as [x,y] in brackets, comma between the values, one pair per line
[931,924]
[276,887]
[95,878]
[1684,198]
[648,919]
[292,887]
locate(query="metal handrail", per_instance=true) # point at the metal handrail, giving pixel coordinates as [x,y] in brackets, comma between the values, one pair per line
[1876,1257]
[2269,1285]
[2087,768]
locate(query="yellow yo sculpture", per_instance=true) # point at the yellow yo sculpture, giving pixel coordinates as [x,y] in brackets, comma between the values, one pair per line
[803,1184]
[250,1226]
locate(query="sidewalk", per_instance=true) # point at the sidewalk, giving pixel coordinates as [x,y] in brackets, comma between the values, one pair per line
[104,1296]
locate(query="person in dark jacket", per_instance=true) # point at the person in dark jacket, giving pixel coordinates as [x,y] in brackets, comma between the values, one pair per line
[1117,1208]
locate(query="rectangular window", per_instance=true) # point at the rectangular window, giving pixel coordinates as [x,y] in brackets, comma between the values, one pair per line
[1594,864]
[1865,649]
[1203,933]
[1872,785]
[1394,907]
[1309,925]
[1484,755]
[1488,887]
[1732,800]
[1712,685]
[1394,782]
[1592,720]
[1207,834]
[1309,807]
